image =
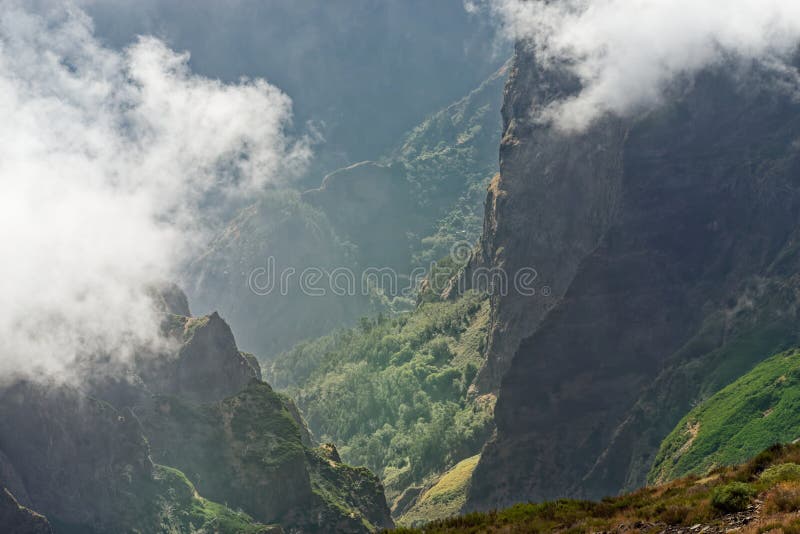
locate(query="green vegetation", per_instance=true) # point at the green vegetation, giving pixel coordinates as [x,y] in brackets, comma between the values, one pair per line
[759,409]
[781,473]
[247,451]
[393,392]
[445,498]
[449,160]
[733,497]
[347,491]
[181,509]
[708,502]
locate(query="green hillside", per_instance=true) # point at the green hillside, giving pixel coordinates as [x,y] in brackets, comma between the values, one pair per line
[443,499]
[393,392]
[759,409]
[761,495]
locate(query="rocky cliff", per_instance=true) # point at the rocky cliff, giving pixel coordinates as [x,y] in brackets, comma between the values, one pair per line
[546,210]
[668,242]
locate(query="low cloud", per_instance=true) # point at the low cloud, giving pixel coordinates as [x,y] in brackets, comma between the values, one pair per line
[107,162]
[628,54]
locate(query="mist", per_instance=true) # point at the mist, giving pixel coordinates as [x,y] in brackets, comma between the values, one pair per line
[629,55]
[106,158]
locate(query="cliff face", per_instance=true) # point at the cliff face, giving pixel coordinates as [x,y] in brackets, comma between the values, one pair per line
[662,238]
[19,519]
[62,444]
[546,210]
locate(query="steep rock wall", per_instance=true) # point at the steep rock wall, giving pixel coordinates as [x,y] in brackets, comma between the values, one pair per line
[645,229]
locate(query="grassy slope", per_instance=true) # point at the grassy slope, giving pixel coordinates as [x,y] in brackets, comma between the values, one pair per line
[179,508]
[729,345]
[393,392]
[772,477]
[760,408]
[445,498]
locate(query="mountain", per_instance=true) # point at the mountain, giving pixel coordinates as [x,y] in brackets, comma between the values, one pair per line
[757,410]
[144,448]
[401,212]
[761,495]
[86,466]
[394,393]
[665,246]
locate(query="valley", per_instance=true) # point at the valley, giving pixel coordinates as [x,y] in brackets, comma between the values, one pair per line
[550,286]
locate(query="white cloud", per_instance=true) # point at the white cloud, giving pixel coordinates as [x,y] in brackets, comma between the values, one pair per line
[628,53]
[105,159]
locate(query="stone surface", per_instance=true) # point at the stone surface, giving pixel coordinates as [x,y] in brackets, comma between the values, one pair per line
[643,229]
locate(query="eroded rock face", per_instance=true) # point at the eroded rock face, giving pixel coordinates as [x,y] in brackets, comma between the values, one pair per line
[18,519]
[74,456]
[546,210]
[248,451]
[209,365]
[205,366]
[245,449]
[645,230]
[11,481]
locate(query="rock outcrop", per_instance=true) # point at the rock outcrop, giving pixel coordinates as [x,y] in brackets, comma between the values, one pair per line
[247,450]
[63,444]
[209,366]
[648,232]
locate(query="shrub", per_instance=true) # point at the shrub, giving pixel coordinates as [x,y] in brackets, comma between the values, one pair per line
[763,460]
[700,512]
[732,498]
[786,527]
[781,473]
[785,497]
[674,514]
